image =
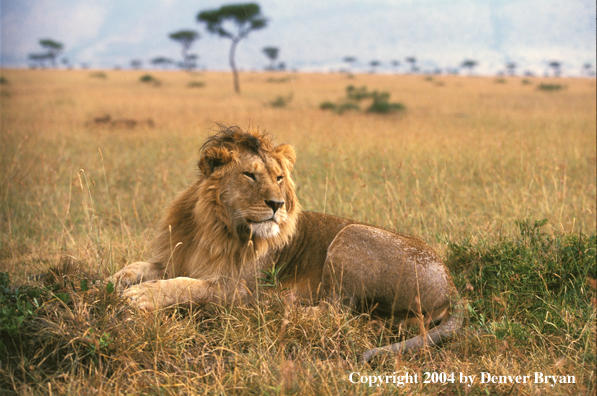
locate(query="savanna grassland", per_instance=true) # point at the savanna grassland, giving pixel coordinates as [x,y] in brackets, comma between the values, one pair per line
[88,160]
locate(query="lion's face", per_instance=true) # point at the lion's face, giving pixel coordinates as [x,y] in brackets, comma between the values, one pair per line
[256,195]
[254,186]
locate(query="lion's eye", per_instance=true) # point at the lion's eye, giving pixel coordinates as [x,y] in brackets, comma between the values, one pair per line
[279,179]
[249,175]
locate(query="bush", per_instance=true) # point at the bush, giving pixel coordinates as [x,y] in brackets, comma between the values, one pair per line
[357,94]
[278,80]
[550,87]
[281,101]
[384,107]
[149,79]
[379,101]
[196,84]
[347,106]
[381,105]
[3,80]
[327,105]
[531,286]
[339,108]
[98,75]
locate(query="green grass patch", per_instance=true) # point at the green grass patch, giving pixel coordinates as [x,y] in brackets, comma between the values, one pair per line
[24,307]
[530,287]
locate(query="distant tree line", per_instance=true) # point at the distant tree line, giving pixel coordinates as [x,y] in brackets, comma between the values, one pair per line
[554,67]
[235,22]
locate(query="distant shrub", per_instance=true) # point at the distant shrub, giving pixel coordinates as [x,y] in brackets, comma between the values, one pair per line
[196,84]
[278,80]
[384,107]
[550,87]
[327,105]
[347,106]
[500,80]
[98,75]
[3,80]
[358,94]
[526,81]
[381,104]
[149,79]
[339,108]
[281,101]
[379,101]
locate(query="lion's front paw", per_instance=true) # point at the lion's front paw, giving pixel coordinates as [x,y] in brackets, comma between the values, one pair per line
[147,295]
[124,278]
[135,273]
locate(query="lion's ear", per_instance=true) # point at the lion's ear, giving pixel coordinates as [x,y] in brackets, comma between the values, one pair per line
[213,158]
[288,155]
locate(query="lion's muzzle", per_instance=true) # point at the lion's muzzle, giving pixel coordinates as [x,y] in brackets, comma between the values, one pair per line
[275,205]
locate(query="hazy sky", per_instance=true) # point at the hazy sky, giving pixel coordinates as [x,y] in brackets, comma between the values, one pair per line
[313,34]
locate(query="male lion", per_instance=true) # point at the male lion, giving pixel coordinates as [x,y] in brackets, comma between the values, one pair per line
[242,216]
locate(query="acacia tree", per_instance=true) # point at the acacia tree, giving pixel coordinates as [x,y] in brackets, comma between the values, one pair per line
[350,60]
[186,39]
[374,64]
[272,54]
[469,64]
[556,66]
[245,17]
[413,64]
[40,59]
[161,61]
[511,66]
[53,49]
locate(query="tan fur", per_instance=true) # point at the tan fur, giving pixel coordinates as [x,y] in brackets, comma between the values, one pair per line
[242,216]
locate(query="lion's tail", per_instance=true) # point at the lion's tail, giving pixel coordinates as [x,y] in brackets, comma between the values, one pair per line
[448,327]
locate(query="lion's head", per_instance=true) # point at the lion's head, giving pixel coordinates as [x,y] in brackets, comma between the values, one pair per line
[242,205]
[253,182]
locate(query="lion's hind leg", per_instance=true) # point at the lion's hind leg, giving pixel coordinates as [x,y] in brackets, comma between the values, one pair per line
[397,275]
[134,273]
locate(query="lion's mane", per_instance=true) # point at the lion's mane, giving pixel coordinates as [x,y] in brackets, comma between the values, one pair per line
[197,235]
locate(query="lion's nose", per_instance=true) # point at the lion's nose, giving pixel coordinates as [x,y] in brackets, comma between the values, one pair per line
[275,205]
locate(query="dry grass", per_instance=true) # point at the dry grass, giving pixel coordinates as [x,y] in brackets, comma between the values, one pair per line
[467,158]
